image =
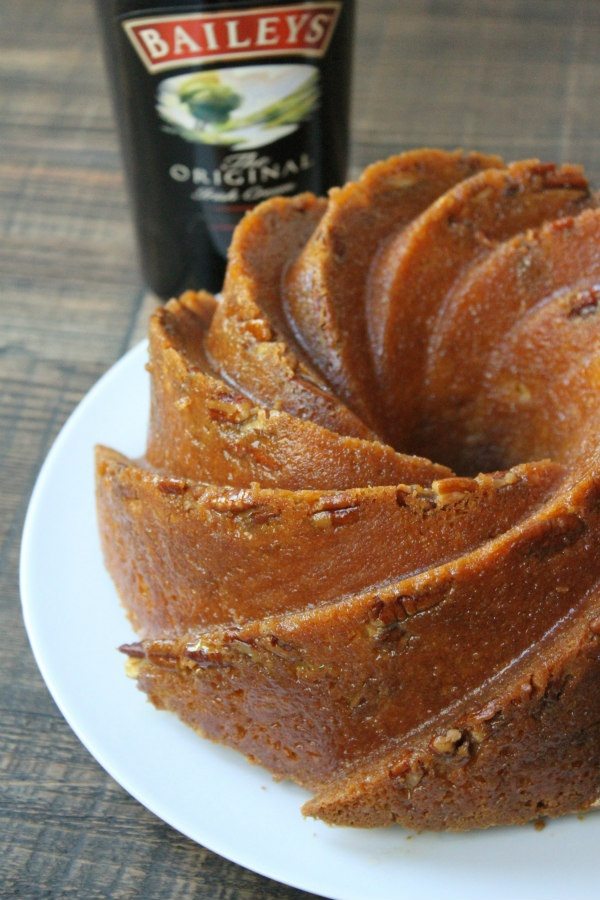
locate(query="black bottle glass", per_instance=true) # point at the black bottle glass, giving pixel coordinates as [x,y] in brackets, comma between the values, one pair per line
[221,105]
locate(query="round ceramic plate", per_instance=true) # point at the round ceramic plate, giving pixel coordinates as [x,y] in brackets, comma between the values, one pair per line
[207,792]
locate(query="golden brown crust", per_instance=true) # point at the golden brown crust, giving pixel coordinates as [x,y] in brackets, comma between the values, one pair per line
[415,272]
[202,428]
[324,288]
[184,555]
[476,335]
[415,645]
[386,659]
[527,749]
[249,342]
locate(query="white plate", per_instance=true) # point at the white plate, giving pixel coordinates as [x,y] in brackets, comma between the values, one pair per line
[207,792]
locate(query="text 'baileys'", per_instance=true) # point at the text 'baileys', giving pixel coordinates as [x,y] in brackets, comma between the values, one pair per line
[222,105]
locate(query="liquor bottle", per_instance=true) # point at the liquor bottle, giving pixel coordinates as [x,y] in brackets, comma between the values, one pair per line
[221,105]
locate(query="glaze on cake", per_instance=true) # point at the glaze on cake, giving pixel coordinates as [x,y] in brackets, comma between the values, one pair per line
[363,546]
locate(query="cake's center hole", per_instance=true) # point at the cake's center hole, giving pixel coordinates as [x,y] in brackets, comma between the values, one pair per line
[469,451]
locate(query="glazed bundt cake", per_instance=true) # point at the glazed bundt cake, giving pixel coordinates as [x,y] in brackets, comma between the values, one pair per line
[363,547]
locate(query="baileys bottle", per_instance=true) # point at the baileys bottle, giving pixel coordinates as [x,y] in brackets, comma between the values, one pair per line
[222,105]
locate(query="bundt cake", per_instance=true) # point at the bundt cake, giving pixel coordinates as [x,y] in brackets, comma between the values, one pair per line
[363,546]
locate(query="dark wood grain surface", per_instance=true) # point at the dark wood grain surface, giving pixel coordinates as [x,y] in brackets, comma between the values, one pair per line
[519,77]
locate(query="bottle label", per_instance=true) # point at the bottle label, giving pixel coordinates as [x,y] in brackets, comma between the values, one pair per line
[173,41]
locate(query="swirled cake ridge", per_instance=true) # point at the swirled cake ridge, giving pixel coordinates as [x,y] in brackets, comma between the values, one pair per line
[363,545]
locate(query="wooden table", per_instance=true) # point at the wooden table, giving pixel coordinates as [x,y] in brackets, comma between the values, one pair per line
[521,77]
